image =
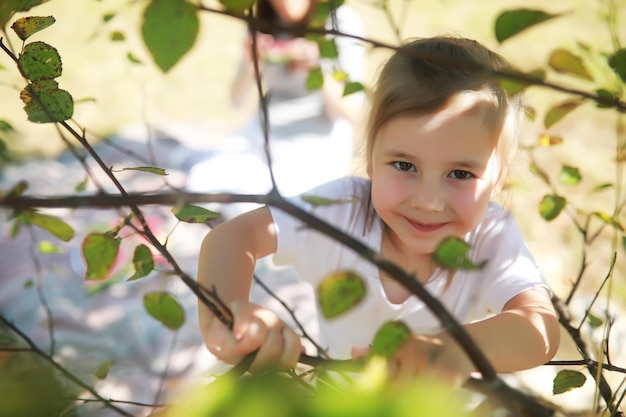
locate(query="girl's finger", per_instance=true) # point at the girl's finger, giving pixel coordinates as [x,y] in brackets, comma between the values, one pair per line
[358,352]
[221,342]
[292,348]
[270,351]
[253,326]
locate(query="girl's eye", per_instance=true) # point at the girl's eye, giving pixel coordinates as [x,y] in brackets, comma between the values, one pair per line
[403,166]
[461,175]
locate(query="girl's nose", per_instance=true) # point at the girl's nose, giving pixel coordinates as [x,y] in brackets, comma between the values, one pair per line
[428,195]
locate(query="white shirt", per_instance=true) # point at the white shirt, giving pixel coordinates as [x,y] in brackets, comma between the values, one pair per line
[471,295]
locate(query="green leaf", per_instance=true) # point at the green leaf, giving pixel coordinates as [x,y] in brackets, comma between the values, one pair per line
[47,106]
[151,170]
[100,251]
[27,26]
[133,59]
[340,76]
[608,219]
[315,79]
[44,85]
[453,253]
[512,22]
[323,201]
[389,338]
[142,261]
[570,175]
[601,187]
[169,29]
[5,339]
[45,246]
[6,127]
[108,17]
[39,61]
[117,36]
[51,224]
[9,7]
[514,86]
[567,380]
[547,140]
[103,370]
[594,321]
[16,226]
[609,98]
[339,292]
[551,206]
[565,62]
[18,189]
[237,6]
[352,87]
[556,113]
[163,307]
[617,61]
[328,48]
[81,186]
[194,214]
[5,154]
[322,12]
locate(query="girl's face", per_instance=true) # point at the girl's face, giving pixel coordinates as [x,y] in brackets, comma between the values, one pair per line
[433,176]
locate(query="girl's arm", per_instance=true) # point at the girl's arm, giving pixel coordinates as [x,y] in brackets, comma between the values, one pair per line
[525,335]
[227,258]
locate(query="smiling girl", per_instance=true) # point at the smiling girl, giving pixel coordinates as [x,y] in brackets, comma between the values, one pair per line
[441,134]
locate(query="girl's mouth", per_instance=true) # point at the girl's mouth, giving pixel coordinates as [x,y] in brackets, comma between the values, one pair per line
[425,227]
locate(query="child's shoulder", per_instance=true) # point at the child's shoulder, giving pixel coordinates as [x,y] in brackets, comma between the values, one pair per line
[344,188]
[344,202]
[497,224]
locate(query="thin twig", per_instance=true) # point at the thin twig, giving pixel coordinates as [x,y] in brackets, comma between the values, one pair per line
[39,288]
[292,313]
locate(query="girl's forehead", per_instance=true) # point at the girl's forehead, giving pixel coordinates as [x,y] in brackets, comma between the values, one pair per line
[473,114]
[443,137]
[476,103]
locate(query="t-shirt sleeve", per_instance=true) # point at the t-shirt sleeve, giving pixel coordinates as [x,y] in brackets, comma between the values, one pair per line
[298,244]
[510,268]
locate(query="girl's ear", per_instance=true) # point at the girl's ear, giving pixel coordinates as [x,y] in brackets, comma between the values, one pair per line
[369,169]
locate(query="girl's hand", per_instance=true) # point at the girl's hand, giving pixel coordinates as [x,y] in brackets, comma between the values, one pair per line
[431,355]
[255,328]
[426,355]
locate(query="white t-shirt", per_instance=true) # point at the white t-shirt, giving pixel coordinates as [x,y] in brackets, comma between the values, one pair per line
[471,295]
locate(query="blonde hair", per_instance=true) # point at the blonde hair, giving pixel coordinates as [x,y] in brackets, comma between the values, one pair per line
[424,75]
